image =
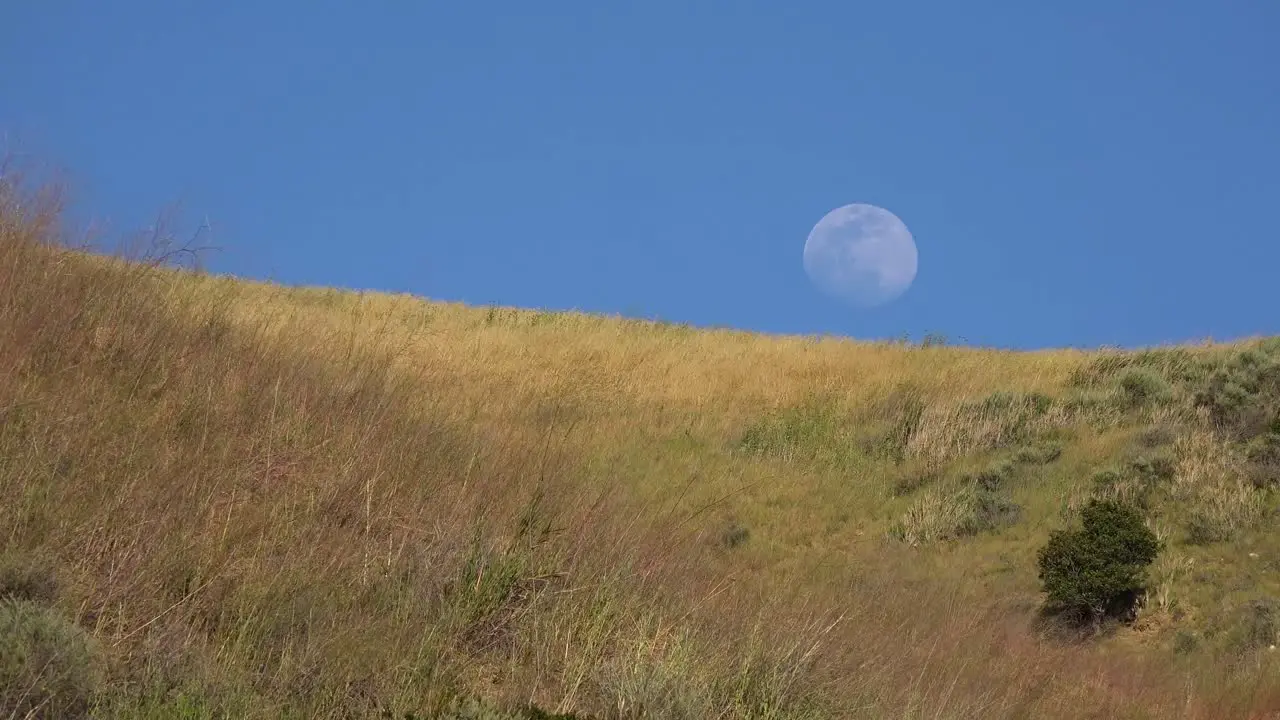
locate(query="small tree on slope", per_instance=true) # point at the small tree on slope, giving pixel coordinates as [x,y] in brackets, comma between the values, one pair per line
[1098,570]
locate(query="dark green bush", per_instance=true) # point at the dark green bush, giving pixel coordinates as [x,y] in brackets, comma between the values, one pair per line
[1142,387]
[1098,570]
[47,669]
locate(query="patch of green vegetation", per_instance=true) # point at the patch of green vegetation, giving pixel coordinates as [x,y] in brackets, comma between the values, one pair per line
[1185,642]
[903,409]
[1090,403]
[1022,404]
[806,431]
[820,431]
[978,503]
[1099,569]
[47,665]
[1175,365]
[1041,453]
[1242,395]
[1142,387]
[1016,412]
[992,510]
[1206,526]
[1258,627]
[492,586]
[1134,482]
[1263,454]
[995,476]
[1154,468]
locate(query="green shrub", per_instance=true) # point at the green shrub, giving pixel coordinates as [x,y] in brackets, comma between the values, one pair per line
[1242,398]
[47,669]
[1098,570]
[1243,394]
[1142,387]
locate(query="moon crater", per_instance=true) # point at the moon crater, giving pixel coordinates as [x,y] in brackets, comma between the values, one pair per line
[861,254]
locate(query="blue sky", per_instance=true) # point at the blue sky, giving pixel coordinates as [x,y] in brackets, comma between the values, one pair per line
[1079,173]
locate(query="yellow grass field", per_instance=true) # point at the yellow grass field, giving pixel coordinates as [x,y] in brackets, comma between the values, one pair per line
[235,499]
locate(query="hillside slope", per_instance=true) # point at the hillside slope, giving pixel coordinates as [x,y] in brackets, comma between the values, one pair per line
[231,499]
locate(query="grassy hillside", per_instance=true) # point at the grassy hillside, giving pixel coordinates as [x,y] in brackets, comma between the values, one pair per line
[229,499]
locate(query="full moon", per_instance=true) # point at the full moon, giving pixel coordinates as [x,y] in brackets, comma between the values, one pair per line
[861,254]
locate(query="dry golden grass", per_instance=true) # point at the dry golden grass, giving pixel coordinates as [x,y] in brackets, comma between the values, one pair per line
[271,502]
